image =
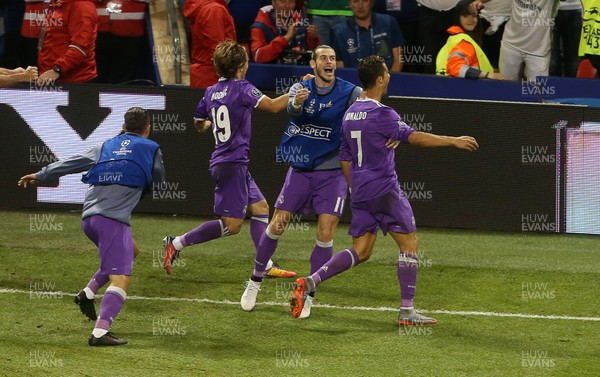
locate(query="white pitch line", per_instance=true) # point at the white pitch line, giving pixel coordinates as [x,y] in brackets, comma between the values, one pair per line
[325,306]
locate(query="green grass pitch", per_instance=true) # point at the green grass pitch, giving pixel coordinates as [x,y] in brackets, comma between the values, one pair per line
[514,305]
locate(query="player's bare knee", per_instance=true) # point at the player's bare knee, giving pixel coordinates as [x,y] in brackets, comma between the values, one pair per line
[121,281]
[324,235]
[260,208]
[409,244]
[234,225]
[234,228]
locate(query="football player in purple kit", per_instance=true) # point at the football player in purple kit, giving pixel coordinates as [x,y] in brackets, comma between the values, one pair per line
[119,172]
[227,107]
[314,180]
[377,200]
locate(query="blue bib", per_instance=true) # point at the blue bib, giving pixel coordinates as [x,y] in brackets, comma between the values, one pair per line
[125,160]
[315,133]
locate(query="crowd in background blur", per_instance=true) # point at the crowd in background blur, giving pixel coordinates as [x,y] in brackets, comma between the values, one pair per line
[106,41]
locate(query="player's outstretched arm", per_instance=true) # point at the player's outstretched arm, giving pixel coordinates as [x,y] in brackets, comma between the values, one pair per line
[427,140]
[298,94]
[202,125]
[71,165]
[274,105]
[27,179]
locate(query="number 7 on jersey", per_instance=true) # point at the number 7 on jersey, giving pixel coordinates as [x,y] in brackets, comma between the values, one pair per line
[358,136]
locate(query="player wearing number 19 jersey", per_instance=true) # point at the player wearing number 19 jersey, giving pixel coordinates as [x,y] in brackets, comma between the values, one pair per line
[370,132]
[226,108]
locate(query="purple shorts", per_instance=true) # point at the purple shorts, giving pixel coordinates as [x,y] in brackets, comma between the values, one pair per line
[323,191]
[391,212]
[235,189]
[114,241]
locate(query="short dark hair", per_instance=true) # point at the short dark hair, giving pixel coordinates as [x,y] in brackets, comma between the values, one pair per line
[229,56]
[369,69]
[136,120]
[313,56]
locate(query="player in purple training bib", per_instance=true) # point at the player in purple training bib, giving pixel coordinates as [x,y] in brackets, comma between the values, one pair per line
[227,108]
[370,132]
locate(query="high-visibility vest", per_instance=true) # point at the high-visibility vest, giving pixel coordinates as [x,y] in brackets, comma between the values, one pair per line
[442,58]
[589,44]
[33,18]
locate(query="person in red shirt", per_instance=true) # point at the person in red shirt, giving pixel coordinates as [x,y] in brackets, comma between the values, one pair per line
[121,40]
[68,41]
[210,23]
[278,28]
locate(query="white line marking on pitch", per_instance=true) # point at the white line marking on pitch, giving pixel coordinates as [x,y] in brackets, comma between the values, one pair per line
[326,306]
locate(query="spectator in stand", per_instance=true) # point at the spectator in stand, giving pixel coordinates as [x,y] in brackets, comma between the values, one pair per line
[243,13]
[326,14]
[589,48]
[121,31]
[525,50]
[33,18]
[279,29]
[211,23]
[15,54]
[406,14]
[493,19]
[564,59]
[367,34]
[461,56]
[9,77]
[435,17]
[68,42]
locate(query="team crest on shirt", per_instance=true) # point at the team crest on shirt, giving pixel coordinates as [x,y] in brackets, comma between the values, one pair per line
[256,92]
[310,109]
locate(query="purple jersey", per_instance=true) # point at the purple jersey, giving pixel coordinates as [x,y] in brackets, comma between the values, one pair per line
[366,128]
[228,104]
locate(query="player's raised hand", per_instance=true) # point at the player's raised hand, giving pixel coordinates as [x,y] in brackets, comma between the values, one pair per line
[301,96]
[202,125]
[391,143]
[466,142]
[31,73]
[26,179]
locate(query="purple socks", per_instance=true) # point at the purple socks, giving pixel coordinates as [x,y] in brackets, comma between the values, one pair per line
[264,252]
[207,231]
[111,305]
[321,254]
[258,225]
[339,263]
[96,282]
[408,265]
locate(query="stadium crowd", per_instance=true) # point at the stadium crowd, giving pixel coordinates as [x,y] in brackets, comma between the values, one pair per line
[106,41]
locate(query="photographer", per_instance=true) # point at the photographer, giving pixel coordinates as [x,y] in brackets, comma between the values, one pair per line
[281,34]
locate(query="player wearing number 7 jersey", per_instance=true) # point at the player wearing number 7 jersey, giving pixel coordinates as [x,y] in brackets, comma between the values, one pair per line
[377,200]
[227,107]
